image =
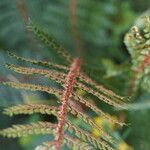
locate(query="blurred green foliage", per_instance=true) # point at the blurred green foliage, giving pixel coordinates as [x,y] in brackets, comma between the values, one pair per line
[102,25]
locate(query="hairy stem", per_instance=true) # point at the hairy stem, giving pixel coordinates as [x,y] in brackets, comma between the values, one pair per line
[67,94]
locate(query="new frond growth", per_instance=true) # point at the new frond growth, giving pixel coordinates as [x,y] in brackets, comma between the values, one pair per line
[138,44]
[71,78]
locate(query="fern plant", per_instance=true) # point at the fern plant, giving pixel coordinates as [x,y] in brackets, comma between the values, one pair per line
[138,44]
[71,78]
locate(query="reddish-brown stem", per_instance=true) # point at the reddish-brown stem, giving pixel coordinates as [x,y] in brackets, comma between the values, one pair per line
[74,27]
[24,14]
[67,94]
[23,10]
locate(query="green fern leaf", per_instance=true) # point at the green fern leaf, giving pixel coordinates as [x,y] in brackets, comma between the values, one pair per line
[53,75]
[30,109]
[49,41]
[40,63]
[33,87]
[26,130]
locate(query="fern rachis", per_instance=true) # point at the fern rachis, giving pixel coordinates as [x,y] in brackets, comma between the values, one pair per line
[70,81]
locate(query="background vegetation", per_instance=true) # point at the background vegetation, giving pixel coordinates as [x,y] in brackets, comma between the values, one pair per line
[101,27]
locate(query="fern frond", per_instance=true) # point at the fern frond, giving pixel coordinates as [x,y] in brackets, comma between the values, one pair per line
[98,143]
[49,41]
[30,109]
[76,144]
[25,130]
[71,79]
[33,87]
[54,75]
[86,136]
[40,63]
